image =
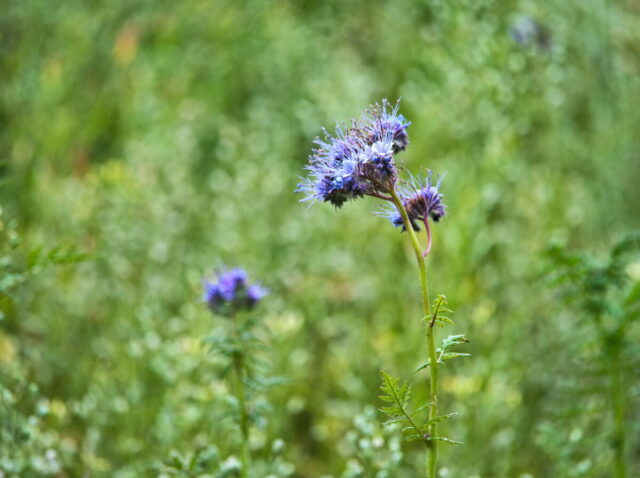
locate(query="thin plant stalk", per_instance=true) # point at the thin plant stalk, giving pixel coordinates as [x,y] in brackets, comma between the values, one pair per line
[238,363]
[433,360]
[611,346]
[617,398]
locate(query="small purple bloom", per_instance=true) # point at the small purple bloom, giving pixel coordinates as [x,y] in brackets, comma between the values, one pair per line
[359,160]
[231,292]
[421,199]
[230,282]
[255,293]
[212,295]
[384,120]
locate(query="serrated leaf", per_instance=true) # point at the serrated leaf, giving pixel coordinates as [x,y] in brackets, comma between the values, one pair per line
[393,421]
[452,340]
[440,301]
[441,418]
[398,395]
[452,355]
[423,365]
[422,407]
[394,392]
[439,308]
[414,437]
[448,342]
[390,411]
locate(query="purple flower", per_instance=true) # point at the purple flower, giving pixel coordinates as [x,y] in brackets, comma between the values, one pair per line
[230,282]
[231,292]
[359,160]
[255,293]
[421,199]
[382,121]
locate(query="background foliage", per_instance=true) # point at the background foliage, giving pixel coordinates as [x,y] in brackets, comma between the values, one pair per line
[145,142]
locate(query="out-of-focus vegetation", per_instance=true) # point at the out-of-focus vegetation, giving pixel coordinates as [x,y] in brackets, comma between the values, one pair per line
[144,143]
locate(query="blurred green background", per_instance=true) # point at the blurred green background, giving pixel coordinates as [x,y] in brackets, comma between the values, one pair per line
[160,139]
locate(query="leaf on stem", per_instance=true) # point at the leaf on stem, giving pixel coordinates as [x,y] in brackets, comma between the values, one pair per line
[423,365]
[441,418]
[449,342]
[439,310]
[446,440]
[443,355]
[397,394]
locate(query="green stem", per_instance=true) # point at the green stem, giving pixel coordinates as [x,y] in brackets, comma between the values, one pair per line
[238,363]
[424,287]
[617,399]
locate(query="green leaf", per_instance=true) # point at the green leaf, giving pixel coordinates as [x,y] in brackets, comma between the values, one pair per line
[414,437]
[452,340]
[446,440]
[441,320]
[397,394]
[423,365]
[439,309]
[393,421]
[423,407]
[442,418]
[38,258]
[451,355]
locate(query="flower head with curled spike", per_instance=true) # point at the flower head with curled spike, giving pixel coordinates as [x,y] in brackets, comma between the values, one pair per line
[357,161]
[422,201]
[231,292]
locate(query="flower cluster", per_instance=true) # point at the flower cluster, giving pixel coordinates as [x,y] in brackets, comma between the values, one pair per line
[232,292]
[421,199]
[359,160]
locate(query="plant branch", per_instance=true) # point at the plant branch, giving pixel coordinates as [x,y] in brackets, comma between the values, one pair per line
[433,372]
[238,364]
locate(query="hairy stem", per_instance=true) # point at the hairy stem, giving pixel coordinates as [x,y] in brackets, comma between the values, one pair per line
[238,365]
[424,287]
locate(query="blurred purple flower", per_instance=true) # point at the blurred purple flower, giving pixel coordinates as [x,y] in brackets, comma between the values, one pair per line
[255,293]
[231,292]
